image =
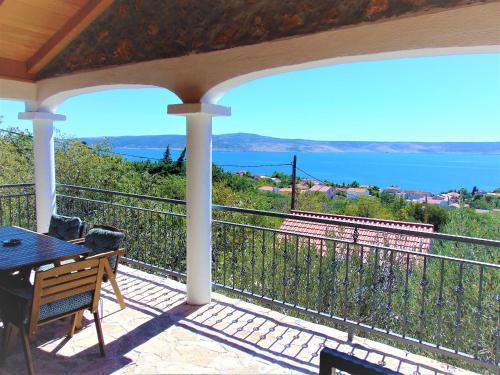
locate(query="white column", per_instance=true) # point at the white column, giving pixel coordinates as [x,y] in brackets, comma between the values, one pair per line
[199,196]
[45,176]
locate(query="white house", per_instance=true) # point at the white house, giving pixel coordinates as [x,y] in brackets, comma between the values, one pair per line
[326,190]
[355,193]
[269,189]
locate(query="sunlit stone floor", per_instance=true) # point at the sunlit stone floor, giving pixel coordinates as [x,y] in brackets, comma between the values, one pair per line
[159,333]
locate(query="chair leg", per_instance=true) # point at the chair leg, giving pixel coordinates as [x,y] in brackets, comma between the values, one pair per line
[72,325]
[100,337]
[27,350]
[114,284]
[78,320]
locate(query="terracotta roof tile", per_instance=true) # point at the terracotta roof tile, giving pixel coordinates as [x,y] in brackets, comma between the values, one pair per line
[365,236]
[357,190]
[320,188]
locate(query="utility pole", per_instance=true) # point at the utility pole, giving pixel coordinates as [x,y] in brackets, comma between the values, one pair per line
[294,178]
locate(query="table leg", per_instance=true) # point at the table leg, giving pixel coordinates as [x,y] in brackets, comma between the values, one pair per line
[9,340]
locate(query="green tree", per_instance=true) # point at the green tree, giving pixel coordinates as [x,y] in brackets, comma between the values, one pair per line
[167,158]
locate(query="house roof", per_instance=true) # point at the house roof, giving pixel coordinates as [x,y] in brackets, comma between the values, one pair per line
[365,236]
[393,188]
[434,201]
[266,188]
[415,192]
[357,190]
[302,186]
[286,190]
[320,188]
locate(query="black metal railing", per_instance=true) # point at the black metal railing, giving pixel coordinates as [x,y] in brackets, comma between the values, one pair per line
[17,205]
[155,227]
[440,303]
[443,298]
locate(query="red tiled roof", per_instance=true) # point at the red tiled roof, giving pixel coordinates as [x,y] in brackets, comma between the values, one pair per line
[357,190]
[286,190]
[414,192]
[365,236]
[302,186]
[266,188]
[320,188]
[434,201]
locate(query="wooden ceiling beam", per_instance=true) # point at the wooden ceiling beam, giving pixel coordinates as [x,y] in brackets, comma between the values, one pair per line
[13,69]
[70,30]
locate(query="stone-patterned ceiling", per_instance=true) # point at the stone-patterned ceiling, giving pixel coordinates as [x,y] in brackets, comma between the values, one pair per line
[141,30]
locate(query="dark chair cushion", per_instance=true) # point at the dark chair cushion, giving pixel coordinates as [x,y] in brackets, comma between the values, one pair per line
[66,305]
[102,240]
[15,305]
[64,227]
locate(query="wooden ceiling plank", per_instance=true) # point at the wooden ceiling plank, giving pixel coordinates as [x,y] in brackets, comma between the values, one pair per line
[66,34]
[13,69]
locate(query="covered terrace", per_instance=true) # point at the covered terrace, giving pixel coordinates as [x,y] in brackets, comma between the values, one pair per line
[54,50]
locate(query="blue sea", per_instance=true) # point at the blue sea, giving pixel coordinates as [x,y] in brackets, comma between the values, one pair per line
[428,172]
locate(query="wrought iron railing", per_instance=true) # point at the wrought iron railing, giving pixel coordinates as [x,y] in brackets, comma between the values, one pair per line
[155,227]
[17,205]
[445,298]
[440,303]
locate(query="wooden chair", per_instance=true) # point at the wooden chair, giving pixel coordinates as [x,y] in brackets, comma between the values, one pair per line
[59,292]
[112,259]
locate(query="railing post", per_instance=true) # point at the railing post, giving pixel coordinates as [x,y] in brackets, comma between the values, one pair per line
[199,196]
[45,175]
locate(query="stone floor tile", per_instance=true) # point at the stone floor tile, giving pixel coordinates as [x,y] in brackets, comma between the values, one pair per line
[159,333]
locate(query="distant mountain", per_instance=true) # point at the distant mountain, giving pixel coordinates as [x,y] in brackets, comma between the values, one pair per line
[254,142]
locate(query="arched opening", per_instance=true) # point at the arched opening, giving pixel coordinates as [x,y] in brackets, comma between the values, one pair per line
[418,100]
[215,93]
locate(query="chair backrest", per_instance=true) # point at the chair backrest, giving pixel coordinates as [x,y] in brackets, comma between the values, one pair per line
[331,360]
[113,255]
[66,228]
[60,290]
[109,227]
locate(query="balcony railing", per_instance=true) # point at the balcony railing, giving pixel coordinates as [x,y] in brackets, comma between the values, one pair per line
[446,300]
[17,205]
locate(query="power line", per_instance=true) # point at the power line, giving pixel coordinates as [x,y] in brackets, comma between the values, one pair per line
[129,155]
[254,166]
[89,147]
[310,175]
[150,157]
[16,133]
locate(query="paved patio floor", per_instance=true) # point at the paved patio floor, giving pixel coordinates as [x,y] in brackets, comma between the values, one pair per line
[159,333]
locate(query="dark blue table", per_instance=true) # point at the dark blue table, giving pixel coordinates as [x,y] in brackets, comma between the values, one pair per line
[34,250]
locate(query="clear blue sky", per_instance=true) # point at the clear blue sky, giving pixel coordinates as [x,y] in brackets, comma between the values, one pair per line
[451,98]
